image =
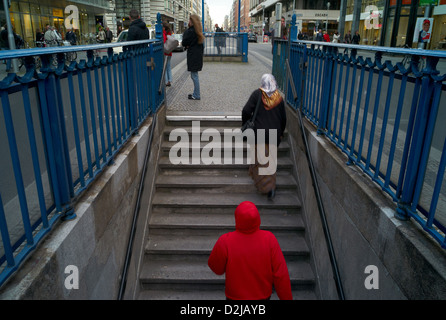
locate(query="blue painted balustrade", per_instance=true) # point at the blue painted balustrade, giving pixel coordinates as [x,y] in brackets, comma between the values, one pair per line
[385,108]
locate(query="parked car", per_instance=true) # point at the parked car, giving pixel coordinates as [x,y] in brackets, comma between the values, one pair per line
[179,37]
[123,37]
[252,37]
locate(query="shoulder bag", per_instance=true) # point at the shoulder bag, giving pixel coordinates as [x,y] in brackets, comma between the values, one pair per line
[250,124]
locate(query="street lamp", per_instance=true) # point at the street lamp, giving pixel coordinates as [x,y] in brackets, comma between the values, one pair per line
[326,23]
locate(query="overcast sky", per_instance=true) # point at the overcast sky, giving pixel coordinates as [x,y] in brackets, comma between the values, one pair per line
[218,9]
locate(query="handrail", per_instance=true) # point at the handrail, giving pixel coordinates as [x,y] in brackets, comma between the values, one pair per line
[16,53]
[320,204]
[128,255]
[382,107]
[78,116]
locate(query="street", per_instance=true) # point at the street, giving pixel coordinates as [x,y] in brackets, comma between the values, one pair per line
[263,49]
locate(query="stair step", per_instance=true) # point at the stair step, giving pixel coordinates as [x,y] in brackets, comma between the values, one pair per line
[211,220]
[186,270]
[168,243]
[197,180]
[167,145]
[209,127]
[209,294]
[194,204]
[217,163]
[287,200]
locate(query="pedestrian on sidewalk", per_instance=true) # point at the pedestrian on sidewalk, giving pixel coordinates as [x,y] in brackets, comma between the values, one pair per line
[251,259]
[326,36]
[271,115]
[168,75]
[336,36]
[193,40]
[137,30]
[356,38]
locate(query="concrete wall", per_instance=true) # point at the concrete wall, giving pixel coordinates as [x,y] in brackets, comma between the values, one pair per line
[410,265]
[96,241]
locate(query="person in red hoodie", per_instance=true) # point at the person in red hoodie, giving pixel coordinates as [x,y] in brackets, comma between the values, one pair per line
[251,258]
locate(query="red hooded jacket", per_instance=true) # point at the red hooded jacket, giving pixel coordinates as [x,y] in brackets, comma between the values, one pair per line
[251,258]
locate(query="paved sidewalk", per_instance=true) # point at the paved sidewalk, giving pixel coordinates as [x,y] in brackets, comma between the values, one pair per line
[225,86]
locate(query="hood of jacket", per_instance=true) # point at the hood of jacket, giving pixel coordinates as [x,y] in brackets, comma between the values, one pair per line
[247,217]
[138,23]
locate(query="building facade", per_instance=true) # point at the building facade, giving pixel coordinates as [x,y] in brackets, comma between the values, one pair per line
[30,16]
[397,23]
[311,15]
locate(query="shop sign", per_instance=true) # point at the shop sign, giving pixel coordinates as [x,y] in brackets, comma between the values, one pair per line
[428,2]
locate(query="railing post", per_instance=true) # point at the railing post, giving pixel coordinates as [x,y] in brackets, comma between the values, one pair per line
[158,27]
[244,47]
[326,91]
[421,139]
[293,29]
[57,146]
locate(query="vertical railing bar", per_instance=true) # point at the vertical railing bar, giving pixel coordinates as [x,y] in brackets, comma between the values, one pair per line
[139,99]
[437,188]
[375,116]
[341,120]
[100,114]
[85,124]
[358,108]
[126,94]
[330,103]
[384,124]
[106,106]
[116,90]
[146,82]
[350,106]
[407,143]
[312,106]
[76,129]
[341,74]
[67,170]
[16,166]
[34,155]
[395,131]
[5,237]
[319,86]
[49,145]
[112,105]
[418,139]
[93,120]
[430,126]
[365,114]
[309,85]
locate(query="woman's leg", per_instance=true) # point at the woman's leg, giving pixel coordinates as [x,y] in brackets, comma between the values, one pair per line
[196,80]
[168,70]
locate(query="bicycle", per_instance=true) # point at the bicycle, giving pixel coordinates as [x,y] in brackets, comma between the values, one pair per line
[407,59]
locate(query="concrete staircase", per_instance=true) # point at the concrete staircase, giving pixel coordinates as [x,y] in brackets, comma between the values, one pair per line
[194,204]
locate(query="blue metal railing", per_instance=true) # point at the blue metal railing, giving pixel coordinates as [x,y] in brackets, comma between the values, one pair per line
[226,44]
[385,109]
[62,124]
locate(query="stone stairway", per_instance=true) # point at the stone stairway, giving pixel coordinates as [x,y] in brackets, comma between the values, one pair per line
[194,204]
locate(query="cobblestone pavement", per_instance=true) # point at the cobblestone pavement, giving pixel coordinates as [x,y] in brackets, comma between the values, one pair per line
[224,86]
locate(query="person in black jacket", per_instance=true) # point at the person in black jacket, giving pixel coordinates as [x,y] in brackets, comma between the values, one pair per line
[193,40]
[137,30]
[271,116]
